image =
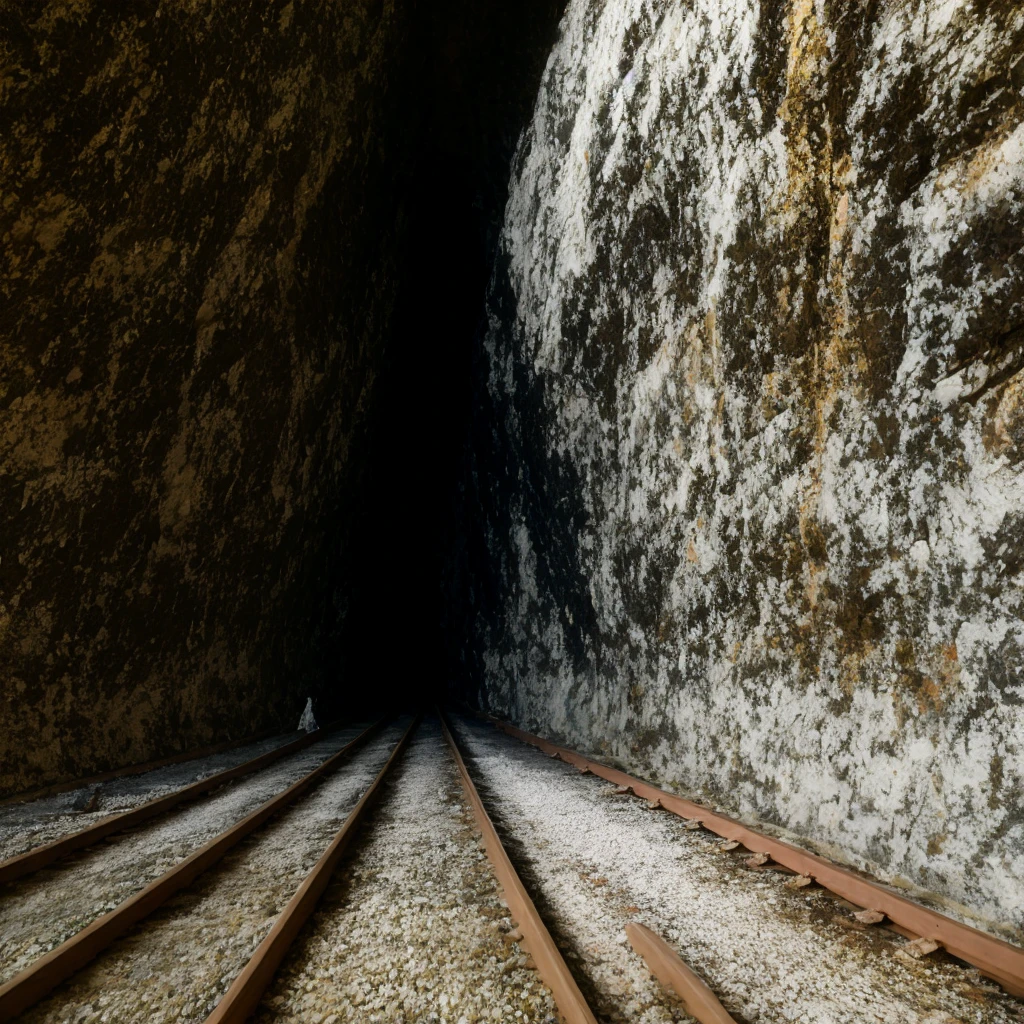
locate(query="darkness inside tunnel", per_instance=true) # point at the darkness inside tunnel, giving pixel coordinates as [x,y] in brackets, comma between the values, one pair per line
[248,256]
[484,62]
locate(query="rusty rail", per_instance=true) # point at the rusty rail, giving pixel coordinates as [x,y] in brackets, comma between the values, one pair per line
[998,960]
[536,938]
[244,995]
[665,964]
[38,980]
[40,792]
[40,856]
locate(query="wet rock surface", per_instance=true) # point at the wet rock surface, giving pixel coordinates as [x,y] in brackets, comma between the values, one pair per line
[746,484]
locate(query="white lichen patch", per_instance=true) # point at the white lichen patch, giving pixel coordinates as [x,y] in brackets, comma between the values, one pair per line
[750,471]
[773,954]
[413,929]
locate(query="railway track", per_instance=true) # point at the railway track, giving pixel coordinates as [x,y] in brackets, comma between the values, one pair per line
[600,859]
[56,904]
[38,819]
[997,959]
[449,873]
[38,855]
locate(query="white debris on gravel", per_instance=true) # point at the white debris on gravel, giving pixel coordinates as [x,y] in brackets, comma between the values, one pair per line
[307,723]
[178,964]
[595,861]
[33,823]
[412,930]
[39,912]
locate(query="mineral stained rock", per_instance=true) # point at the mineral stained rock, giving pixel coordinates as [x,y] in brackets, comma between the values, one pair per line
[199,236]
[748,458]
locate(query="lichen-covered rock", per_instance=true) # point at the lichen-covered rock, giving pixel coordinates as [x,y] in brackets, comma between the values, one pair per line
[750,453]
[199,241]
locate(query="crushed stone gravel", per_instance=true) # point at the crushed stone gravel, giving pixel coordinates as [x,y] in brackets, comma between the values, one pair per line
[24,826]
[413,928]
[593,861]
[41,911]
[178,964]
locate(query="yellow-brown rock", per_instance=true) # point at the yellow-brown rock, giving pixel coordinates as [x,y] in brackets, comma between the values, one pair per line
[199,239]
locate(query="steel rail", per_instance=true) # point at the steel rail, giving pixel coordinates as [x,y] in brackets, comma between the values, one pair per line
[38,980]
[667,966]
[998,960]
[242,998]
[536,938]
[40,856]
[140,768]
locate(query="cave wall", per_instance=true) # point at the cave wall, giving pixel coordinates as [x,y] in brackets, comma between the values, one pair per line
[201,214]
[744,495]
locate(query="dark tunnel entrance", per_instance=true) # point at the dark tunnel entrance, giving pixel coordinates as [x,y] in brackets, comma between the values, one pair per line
[247,282]
[484,63]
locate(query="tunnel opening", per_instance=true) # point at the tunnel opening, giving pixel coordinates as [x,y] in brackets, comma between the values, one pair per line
[482,64]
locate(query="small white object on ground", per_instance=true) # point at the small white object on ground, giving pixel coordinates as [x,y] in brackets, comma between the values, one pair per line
[307,722]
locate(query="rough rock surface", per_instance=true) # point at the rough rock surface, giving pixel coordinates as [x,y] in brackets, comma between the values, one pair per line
[199,236]
[749,450]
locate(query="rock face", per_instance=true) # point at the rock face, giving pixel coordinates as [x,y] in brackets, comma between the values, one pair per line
[745,501]
[200,237]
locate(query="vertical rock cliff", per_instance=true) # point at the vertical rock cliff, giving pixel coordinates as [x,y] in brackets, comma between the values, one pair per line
[202,232]
[744,504]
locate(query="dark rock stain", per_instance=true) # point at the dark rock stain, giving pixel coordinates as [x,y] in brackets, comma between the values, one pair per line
[200,233]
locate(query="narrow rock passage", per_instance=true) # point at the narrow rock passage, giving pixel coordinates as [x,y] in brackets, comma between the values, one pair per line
[35,822]
[594,861]
[176,965]
[412,928]
[39,912]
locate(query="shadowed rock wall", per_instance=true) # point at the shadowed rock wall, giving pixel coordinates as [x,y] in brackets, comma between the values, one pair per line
[745,500]
[201,220]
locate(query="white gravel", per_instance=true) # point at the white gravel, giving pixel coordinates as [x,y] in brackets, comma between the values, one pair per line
[594,862]
[178,964]
[412,929]
[33,823]
[39,912]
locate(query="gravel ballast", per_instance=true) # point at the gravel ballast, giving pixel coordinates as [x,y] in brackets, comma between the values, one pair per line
[32,823]
[40,911]
[594,861]
[178,963]
[413,928]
